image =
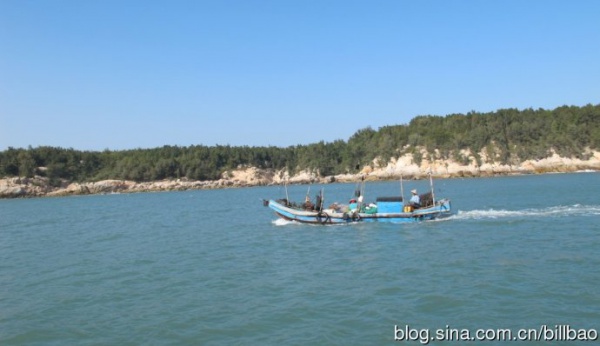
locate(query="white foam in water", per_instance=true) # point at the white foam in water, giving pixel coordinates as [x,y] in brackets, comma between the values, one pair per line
[282,222]
[558,211]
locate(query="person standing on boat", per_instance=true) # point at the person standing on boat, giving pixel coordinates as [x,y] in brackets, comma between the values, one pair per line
[308,204]
[319,205]
[352,206]
[415,201]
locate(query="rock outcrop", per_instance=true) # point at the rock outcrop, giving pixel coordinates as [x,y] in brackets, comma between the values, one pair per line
[243,177]
[24,187]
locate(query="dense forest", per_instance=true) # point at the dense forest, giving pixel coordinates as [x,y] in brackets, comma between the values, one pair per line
[509,135]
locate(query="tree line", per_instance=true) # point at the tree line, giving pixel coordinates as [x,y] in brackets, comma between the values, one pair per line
[508,135]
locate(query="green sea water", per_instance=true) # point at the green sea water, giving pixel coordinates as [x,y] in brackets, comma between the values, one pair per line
[215,267]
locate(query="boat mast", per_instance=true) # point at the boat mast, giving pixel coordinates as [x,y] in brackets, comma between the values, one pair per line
[361,195]
[321,201]
[431,184]
[401,188]
[287,198]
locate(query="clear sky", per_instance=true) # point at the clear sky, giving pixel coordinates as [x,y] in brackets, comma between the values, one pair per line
[123,74]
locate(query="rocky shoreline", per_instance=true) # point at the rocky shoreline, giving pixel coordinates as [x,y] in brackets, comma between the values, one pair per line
[17,187]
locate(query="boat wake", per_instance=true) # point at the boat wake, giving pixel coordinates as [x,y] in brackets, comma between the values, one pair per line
[557,211]
[283,222]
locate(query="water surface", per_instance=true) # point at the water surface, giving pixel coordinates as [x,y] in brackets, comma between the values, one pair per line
[215,267]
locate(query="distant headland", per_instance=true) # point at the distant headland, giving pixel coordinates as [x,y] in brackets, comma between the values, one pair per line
[404,166]
[504,142]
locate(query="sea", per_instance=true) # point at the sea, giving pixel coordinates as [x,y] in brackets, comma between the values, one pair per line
[519,260]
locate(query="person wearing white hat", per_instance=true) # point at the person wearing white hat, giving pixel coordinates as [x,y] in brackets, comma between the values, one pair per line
[415,201]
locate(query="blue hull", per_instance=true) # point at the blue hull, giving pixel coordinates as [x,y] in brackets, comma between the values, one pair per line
[441,209]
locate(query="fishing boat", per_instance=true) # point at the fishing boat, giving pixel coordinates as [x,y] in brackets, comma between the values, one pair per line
[384,209]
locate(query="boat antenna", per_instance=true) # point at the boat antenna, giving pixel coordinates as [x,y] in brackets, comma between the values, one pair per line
[431,184]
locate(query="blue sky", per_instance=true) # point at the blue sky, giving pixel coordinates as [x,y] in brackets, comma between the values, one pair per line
[95,75]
